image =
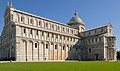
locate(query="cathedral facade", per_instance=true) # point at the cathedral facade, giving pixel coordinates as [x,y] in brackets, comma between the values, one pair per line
[28,37]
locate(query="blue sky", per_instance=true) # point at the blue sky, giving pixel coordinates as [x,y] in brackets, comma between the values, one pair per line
[93,12]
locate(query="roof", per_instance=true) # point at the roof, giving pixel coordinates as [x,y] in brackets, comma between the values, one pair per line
[76,19]
[43,18]
[97,28]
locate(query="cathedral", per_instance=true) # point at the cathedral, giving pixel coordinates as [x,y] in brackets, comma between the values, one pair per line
[28,37]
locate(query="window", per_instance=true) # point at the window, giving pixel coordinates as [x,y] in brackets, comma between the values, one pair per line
[92,40]
[67,30]
[28,20]
[46,46]
[89,50]
[30,31]
[22,19]
[18,19]
[37,32]
[58,28]
[42,33]
[39,23]
[46,24]
[63,29]
[57,36]
[101,30]
[49,25]
[43,24]
[64,37]
[53,26]
[55,46]
[31,21]
[35,45]
[71,38]
[110,30]
[60,37]
[71,31]
[63,47]
[74,39]
[76,49]
[68,38]
[52,35]
[95,31]
[89,33]
[70,48]
[109,39]
[89,40]
[82,28]
[48,34]
[96,39]
[36,22]
[12,25]
[24,30]
[99,38]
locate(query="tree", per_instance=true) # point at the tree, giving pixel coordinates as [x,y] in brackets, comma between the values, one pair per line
[118,55]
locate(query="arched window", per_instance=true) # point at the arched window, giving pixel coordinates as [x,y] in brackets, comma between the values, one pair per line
[55,46]
[30,31]
[46,46]
[39,23]
[36,22]
[90,50]
[63,47]
[71,31]
[28,20]
[42,33]
[24,30]
[31,21]
[36,45]
[46,24]
[53,26]
[56,27]
[36,32]
[22,18]
[63,29]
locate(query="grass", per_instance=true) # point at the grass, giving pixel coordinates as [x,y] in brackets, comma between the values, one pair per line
[60,66]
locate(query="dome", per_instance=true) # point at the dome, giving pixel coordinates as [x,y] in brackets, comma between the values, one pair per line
[76,19]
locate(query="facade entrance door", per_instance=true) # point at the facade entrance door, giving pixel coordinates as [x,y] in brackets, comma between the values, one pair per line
[96,56]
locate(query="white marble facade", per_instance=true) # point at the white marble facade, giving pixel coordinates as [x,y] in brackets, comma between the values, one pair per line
[28,37]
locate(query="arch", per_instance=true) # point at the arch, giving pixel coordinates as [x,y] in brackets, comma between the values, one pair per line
[30,48]
[24,50]
[36,51]
[42,50]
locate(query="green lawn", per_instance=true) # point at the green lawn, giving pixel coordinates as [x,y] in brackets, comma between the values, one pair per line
[60,66]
